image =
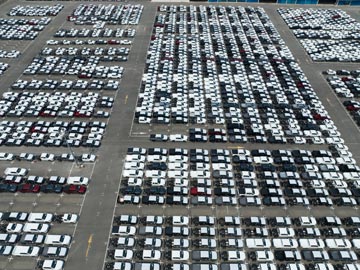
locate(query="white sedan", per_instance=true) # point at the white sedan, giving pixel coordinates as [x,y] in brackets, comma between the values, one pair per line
[178,138]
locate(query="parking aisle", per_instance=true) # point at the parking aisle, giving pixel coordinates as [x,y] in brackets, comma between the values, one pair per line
[99,204]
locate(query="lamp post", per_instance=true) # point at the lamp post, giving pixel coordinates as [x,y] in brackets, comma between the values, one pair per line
[65,135]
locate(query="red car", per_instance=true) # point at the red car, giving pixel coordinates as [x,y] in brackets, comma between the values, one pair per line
[353,107]
[29,188]
[200,191]
[319,117]
[111,41]
[71,189]
[82,114]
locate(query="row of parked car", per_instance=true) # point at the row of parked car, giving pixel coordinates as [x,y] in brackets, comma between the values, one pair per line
[95,33]
[86,51]
[35,10]
[224,177]
[89,42]
[252,221]
[332,50]
[234,242]
[106,14]
[6,217]
[17,180]
[88,158]
[326,34]
[256,88]
[9,54]
[81,66]
[22,29]
[55,104]
[345,86]
[65,85]
[57,133]
[241,134]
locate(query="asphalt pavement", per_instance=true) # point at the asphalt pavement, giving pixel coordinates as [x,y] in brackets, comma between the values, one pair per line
[99,205]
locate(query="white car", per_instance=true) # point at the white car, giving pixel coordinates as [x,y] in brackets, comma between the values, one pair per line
[52,265]
[178,138]
[180,220]
[351,175]
[133,173]
[26,251]
[177,166]
[248,192]
[36,227]
[178,158]
[307,221]
[124,230]
[285,232]
[222,166]
[177,174]
[345,160]
[134,181]
[16,171]
[263,160]
[40,217]
[134,165]
[155,173]
[58,240]
[88,158]
[77,180]
[14,228]
[6,156]
[340,243]
[136,158]
[306,243]
[258,243]
[47,157]
[285,243]
[200,174]
[156,158]
[179,255]
[123,254]
[69,218]
[264,255]
[151,255]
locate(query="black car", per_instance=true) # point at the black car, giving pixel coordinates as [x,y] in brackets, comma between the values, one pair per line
[287,255]
[244,167]
[161,166]
[8,188]
[197,138]
[135,190]
[287,168]
[179,200]
[51,188]
[266,167]
[156,191]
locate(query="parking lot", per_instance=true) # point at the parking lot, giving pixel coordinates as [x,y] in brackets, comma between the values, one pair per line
[326,34]
[58,177]
[266,38]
